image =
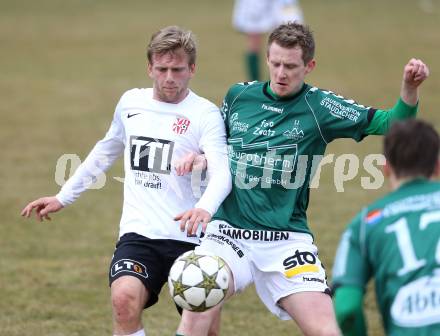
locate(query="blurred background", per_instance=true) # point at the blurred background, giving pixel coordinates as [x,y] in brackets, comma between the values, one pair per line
[64,65]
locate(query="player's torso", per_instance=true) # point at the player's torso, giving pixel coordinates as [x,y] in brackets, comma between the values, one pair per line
[272,145]
[403,243]
[260,128]
[156,135]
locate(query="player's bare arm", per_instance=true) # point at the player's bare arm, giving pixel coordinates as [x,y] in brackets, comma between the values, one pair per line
[414,73]
[190,162]
[43,207]
[191,219]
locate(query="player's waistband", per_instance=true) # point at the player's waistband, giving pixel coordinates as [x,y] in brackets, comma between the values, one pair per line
[259,235]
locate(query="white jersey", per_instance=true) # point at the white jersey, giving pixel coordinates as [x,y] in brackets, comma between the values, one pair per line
[261,16]
[153,135]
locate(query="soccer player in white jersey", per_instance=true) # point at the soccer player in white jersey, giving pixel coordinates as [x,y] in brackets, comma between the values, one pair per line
[153,128]
[255,18]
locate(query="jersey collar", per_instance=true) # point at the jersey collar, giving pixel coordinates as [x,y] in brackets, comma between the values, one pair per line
[273,96]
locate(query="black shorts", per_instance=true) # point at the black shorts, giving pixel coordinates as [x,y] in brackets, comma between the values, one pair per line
[147,259]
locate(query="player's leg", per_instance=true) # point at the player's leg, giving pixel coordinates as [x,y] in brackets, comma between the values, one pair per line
[136,276]
[291,282]
[218,244]
[128,297]
[205,323]
[214,329]
[254,19]
[254,41]
[313,312]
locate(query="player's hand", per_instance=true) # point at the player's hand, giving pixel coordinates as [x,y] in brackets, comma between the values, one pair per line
[43,207]
[190,162]
[191,220]
[415,72]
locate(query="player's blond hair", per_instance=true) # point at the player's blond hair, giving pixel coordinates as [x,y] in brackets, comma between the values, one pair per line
[171,39]
[291,35]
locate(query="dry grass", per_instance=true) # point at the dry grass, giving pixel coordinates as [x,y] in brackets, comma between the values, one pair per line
[64,66]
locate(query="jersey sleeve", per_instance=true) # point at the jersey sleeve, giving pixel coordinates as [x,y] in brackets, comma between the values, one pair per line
[339,117]
[347,301]
[382,119]
[231,96]
[351,266]
[213,145]
[99,160]
[226,107]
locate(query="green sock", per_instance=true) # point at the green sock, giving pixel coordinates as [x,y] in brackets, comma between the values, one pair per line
[253,65]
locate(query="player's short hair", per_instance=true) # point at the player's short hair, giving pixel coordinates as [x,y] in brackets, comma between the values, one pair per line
[171,39]
[291,35]
[411,148]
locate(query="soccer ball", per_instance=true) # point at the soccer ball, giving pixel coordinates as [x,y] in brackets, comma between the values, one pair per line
[197,281]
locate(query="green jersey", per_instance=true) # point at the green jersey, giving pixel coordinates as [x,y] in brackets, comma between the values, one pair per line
[274,147]
[397,240]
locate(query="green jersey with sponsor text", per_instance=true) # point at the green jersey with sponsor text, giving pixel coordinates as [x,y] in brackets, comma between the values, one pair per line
[396,240]
[275,144]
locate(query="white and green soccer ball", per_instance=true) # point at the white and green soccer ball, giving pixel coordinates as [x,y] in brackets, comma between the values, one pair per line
[197,281]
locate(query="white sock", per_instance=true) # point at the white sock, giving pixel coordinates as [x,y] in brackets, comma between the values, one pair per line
[140,332]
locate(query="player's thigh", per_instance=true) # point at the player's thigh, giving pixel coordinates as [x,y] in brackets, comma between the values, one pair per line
[312,311]
[284,264]
[147,260]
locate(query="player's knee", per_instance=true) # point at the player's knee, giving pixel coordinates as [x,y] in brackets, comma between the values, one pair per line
[124,306]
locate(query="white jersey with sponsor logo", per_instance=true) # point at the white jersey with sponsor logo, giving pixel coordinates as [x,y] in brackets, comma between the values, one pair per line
[153,135]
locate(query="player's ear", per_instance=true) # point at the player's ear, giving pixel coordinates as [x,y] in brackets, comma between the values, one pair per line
[150,70]
[436,172]
[310,66]
[387,170]
[192,69]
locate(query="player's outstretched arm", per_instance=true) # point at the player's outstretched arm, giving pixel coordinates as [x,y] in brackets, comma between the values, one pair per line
[43,207]
[414,73]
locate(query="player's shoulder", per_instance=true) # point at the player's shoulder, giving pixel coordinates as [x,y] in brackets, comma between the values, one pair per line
[237,89]
[328,98]
[320,94]
[201,104]
[407,198]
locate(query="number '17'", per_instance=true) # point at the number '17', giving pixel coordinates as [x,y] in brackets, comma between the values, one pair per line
[406,247]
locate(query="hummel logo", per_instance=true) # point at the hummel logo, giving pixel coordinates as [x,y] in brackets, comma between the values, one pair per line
[132,115]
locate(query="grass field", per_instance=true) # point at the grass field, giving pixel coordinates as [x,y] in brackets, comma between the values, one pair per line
[64,65]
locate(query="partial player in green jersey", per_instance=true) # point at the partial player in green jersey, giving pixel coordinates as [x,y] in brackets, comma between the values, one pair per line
[396,240]
[277,132]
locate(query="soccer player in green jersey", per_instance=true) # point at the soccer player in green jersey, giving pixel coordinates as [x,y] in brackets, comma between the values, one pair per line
[396,241]
[277,132]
